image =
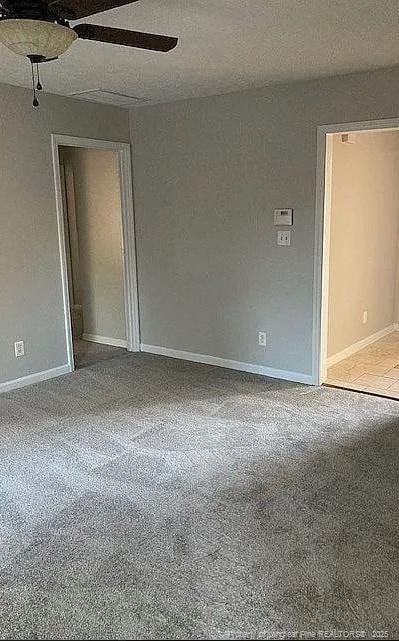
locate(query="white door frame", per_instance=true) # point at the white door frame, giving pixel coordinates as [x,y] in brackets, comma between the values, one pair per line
[128,236]
[322,234]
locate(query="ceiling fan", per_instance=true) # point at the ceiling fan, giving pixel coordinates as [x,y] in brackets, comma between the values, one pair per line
[40,30]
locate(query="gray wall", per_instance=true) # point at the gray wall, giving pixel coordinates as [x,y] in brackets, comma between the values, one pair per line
[30,282]
[207,175]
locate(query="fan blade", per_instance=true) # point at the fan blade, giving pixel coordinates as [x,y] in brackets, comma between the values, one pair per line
[127,38]
[76,9]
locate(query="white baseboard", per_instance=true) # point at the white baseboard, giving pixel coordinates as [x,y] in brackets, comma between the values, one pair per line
[296,377]
[35,378]
[105,340]
[356,347]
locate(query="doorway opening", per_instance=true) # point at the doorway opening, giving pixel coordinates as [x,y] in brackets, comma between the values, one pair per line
[359,315]
[97,252]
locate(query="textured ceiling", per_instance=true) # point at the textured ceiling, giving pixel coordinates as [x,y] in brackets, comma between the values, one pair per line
[225,45]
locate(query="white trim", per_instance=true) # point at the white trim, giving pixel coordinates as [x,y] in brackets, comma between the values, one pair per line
[322,217]
[129,251]
[62,253]
[325,267]
[296,377]
[35,378]
[89,143]
[128,240]
[105,340]
[356,347]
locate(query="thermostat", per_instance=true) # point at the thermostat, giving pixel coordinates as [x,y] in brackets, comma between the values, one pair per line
[283,216]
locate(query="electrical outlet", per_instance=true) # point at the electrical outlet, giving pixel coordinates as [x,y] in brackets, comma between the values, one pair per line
[365,317]
[262,339]
[19,347]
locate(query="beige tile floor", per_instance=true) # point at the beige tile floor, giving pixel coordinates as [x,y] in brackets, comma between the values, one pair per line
[374,369]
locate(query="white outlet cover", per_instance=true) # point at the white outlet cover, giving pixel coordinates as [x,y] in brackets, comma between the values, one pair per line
[19,348]
[262,339]
[284,238]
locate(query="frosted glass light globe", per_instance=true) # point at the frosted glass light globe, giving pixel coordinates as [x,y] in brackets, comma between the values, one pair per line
[36,37]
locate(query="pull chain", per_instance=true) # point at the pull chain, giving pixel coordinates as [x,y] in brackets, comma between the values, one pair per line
[39,85]
[35,100]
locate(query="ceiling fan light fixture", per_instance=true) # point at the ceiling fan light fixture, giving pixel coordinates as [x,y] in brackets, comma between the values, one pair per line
[39,30]
[36,38]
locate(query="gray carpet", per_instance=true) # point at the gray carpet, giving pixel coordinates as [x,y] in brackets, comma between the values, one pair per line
[147,498]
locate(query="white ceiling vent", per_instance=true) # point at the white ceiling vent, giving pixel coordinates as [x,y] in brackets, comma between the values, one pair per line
[108,98]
